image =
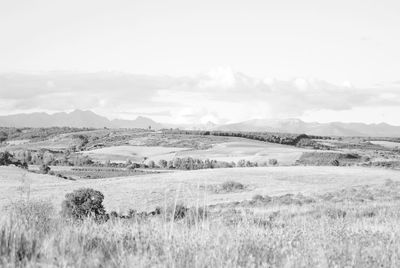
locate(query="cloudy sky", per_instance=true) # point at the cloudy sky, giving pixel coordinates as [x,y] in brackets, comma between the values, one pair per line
[189,61]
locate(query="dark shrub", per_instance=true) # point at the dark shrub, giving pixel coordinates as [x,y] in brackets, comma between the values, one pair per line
[114,214]
[335,163]
[180,212]
[261,199]
[175,212]
[335,213]
[230,186]
[273,162]
[83,203]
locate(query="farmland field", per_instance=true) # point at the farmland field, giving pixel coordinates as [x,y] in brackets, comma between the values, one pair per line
[227,151]
[249,150]
[387,144]
[133,153]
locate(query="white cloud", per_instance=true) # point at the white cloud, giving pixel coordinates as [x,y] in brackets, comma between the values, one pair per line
[221,95]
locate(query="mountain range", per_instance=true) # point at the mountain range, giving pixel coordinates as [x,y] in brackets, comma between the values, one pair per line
[79,118]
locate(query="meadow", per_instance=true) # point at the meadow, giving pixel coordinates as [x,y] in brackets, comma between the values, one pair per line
[357,227]
[145,192]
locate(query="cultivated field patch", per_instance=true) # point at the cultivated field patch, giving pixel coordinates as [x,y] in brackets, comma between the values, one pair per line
[254,151]
[133,153]
[387,144]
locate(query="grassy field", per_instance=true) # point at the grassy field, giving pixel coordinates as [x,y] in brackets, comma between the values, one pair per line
[276,216]
[343,231]
[145,192]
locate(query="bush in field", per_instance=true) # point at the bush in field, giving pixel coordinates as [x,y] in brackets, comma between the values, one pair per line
[175,212]
[335,163]
[83,203]
[273,162]
[230,186]
[6,158]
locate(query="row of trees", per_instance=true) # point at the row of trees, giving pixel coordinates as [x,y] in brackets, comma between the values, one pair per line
[189,163]
[48,158]
[281,138]
[36,134]
[7,158]
[54,159]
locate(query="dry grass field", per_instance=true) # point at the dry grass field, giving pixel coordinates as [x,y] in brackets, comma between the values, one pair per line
[145,192]
[133,153]
[353,227]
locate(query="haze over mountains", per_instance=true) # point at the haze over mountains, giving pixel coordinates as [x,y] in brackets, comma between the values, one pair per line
[79,118]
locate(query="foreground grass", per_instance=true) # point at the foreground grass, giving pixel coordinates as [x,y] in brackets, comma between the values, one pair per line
[357,227]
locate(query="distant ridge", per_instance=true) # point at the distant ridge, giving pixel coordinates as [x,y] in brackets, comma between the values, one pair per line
[321,129]
[79,118]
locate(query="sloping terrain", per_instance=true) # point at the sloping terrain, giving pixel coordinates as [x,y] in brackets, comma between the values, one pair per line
[147,191]
[133,153]
[387,144]
[255,151]
[234,150]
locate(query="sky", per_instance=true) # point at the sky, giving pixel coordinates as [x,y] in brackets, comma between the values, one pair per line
[190,61]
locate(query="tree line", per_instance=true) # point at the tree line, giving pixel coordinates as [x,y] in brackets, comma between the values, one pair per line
[281,138]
